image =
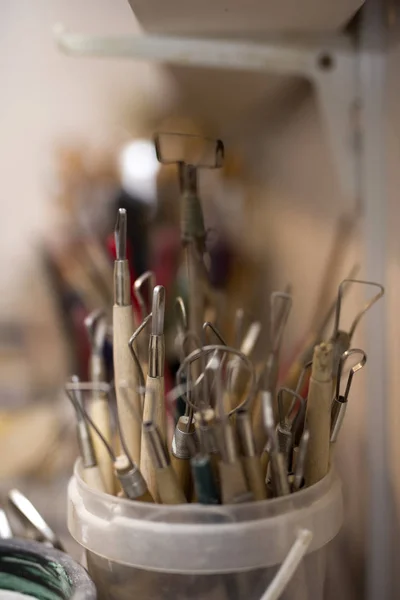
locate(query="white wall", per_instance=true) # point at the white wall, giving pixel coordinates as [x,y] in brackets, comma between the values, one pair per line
[46,99]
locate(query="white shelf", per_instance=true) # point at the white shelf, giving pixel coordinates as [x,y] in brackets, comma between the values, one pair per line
[278,61]
[242,17]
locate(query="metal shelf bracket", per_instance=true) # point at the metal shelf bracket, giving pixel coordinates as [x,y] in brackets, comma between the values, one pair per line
[330,65]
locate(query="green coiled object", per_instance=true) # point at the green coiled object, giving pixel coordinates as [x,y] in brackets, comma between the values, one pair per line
[33,569]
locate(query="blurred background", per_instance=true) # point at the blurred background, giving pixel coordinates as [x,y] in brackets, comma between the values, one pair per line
[76,144]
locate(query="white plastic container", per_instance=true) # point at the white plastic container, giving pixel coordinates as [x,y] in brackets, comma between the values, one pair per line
[142,551]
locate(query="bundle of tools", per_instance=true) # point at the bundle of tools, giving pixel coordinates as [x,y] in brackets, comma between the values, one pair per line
[237,437]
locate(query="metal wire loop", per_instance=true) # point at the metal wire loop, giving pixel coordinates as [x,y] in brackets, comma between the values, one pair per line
[353,370]
[196,354]
[366,307]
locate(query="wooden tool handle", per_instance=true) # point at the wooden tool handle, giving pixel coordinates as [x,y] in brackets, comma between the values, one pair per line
[145,368]
[153,410]
[169,490]
[254,476]
[318,415]
[229,400]
[264,460]
[239,384]
[260,436]
[232,481]
[181,467]
[147,497]
[126,377]
[92,477]
[100,415]
[154,405]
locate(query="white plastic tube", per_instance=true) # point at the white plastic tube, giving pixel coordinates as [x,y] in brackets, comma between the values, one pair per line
[289,566]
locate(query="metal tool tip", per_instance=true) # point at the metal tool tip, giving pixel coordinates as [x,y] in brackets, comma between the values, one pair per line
[158,310]
[120,234]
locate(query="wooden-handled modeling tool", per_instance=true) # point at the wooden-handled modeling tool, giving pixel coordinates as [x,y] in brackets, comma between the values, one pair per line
[154,404]
[250,459]
[339,403]
[169,491]
[318,414]
[96,325]
[91,471]
[124,374]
